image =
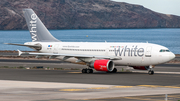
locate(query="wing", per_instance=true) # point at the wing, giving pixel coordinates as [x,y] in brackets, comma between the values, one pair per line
[71,55]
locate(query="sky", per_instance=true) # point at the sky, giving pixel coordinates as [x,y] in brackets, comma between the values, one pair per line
[161,6]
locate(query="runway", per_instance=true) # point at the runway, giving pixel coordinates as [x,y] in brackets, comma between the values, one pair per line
[75,76]
[71,73]
[99,85]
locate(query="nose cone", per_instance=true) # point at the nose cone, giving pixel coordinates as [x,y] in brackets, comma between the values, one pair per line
[171,56]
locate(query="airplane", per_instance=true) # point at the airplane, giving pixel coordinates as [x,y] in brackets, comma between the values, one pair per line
[100,56]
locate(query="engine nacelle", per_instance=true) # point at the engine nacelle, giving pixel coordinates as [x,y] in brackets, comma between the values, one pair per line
[102,65]
[141,67]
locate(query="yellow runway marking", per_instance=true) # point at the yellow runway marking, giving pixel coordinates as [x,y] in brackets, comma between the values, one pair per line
[171,87]
[151,86]
[122,86]
[141,98]
[100,88]
[174,96]
[72,90]
[155,86]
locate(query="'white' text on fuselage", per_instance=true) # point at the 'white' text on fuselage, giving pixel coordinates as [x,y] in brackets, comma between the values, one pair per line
[133,51]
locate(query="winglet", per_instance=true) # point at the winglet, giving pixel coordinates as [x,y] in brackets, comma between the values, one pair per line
[19,52]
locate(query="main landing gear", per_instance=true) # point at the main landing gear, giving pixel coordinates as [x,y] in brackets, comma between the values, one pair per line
[150,71]
[87,71]
[114,71]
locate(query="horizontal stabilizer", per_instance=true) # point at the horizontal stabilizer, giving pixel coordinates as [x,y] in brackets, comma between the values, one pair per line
[37,47]
[22,53]
[19,52]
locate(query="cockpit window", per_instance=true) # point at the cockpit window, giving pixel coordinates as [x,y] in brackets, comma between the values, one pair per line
[164,50]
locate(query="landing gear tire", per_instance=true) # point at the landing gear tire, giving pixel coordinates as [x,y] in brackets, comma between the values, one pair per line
[91,70]
[84,70]
[150,72]
[114,70]
[87,71]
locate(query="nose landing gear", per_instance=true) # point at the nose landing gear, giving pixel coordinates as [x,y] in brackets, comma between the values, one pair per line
[150,71]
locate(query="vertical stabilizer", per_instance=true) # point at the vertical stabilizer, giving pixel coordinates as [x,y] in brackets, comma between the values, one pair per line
[39,33]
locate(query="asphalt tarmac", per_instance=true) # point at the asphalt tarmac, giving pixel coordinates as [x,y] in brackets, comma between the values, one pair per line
[71,73]
[166,80]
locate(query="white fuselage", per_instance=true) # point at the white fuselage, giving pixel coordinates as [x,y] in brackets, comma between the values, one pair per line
[132,54]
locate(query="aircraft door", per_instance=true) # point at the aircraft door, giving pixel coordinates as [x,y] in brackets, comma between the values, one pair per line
[107,52]
[148,51]
[56,49]
[146,59]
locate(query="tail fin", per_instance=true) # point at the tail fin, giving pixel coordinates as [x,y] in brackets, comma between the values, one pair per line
[38,31]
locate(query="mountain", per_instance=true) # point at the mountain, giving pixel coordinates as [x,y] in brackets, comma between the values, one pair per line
[84,14]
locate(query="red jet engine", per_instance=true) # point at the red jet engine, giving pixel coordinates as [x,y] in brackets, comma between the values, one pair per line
[102,65]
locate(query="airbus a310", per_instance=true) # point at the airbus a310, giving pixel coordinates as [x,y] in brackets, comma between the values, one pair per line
[101,56]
